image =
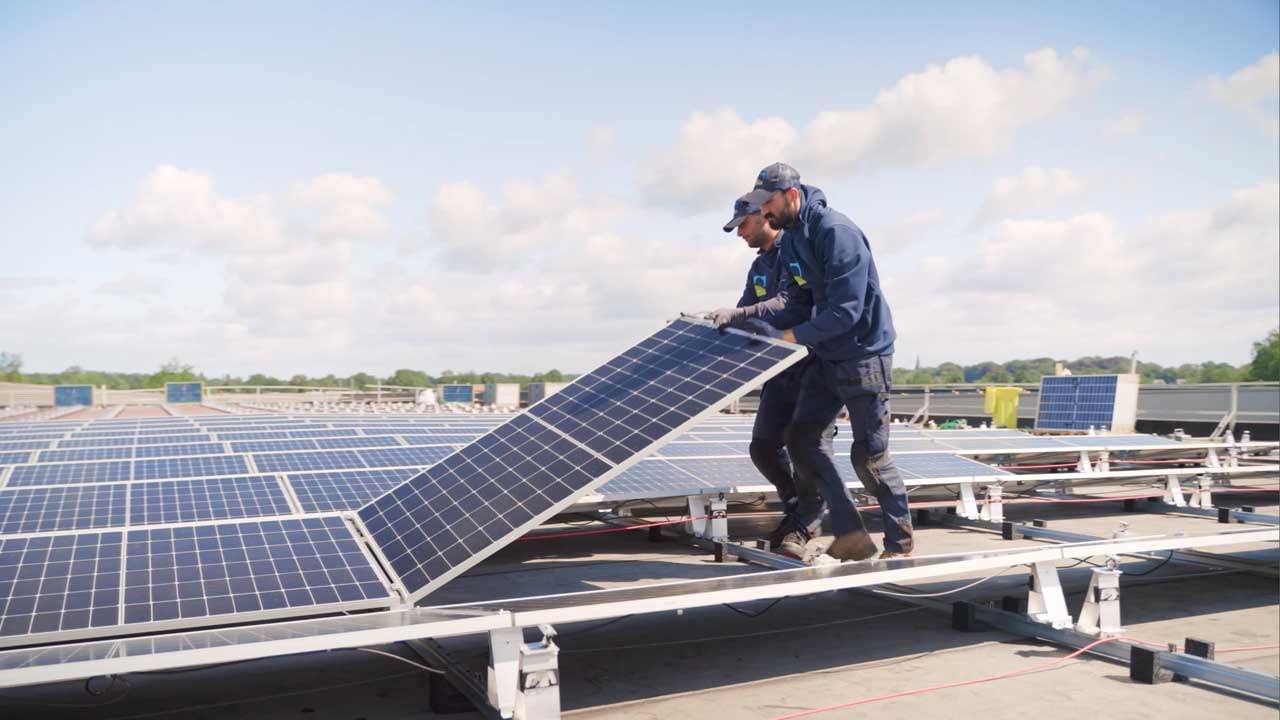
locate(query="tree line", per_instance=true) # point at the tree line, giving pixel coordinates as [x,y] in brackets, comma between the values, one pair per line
[1265,365]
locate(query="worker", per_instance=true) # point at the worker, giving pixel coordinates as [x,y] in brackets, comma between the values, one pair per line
[838,308]
[764,295]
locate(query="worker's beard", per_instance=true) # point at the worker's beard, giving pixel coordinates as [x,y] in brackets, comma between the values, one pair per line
[784,218]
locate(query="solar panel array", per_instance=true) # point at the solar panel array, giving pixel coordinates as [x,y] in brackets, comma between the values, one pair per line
[458,511]
[233,518]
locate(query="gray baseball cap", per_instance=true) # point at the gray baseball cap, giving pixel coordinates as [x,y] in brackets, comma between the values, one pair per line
[778,176]
[741,209]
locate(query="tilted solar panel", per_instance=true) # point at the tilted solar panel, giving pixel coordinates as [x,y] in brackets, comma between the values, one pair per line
[472,503]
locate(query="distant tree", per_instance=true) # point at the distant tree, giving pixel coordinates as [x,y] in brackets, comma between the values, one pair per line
[172,371]
[10,367]
[299,380]
[260,379]
[362,380]
[1266,358]
[409,378]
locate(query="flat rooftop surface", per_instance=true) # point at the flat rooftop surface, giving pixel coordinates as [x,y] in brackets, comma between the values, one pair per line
[798,654]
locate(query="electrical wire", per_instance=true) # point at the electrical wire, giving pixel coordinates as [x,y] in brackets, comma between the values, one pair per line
[747,613]
[740,636]
[384,653]
[975,583]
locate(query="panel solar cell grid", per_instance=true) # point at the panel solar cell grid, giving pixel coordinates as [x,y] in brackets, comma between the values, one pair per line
[301,462]
[97,442]
[69,473]
[253,435]
[59,583]
[79,454]
[920,466]
[703,449]
[24,445]
[207,571]
[181,467]
[464,507]
[425,438]
[356,442]
[1076,402]
[344,489]
[189,392]
[172,439]
[176,501]
[14,457]
[155,451]
[76,507]
[252,446]
[322,433]
[405,456]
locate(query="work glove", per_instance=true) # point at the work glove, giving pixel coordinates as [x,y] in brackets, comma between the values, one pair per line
[728,317]
[756,326]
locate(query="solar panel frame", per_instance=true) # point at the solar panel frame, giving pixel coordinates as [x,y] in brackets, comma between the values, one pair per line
[725,377]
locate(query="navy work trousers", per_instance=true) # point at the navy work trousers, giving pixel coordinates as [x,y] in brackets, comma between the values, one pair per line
[862,386]
[768,444]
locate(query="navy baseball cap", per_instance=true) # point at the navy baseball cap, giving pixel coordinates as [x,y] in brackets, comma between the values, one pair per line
[741,209]
[778,176]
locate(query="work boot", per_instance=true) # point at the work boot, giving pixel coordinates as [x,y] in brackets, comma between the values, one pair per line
[793,543]
[891,554]
[856,545]
[780,532]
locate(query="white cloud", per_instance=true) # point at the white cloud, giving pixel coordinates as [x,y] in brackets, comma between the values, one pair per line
[601,141]
[959,110]
[1254,92]
[1036,189]
[349,205]
[1124,126]
[715,159]
[181,209]
[134,285]
[1185,286]
[471,231]
[906,231]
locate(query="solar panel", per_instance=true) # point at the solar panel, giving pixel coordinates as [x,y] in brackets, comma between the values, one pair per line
[24,445]
[344,489]
[72,395]
[169,439]
[188,392]
[702,449]
[322,433]
[455,393]
[405,456]
[475,501]
[176,501]
[180,467]
[246,568]
[303,461]
[254,435]
[69,473]
[931,466]
[79,454]
[251,446]
[97,442]
[14,458]
[59,583]
[154,451]
[75,507]
[357,442]
[1076,402]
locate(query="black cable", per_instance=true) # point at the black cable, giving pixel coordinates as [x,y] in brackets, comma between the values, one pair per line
[1163,562]
[746,613]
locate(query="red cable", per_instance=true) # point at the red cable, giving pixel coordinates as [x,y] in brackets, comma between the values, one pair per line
[989,678]
[576,533]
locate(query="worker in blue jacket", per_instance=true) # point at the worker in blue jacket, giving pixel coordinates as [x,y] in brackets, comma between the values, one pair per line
[837,308]
[763,296]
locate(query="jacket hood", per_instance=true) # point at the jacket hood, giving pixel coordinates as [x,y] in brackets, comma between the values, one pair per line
[813,203]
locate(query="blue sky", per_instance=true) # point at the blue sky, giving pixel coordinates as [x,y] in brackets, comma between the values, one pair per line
[326,188]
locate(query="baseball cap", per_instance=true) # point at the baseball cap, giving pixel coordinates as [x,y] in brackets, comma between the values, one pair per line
[741,209]
[778,176]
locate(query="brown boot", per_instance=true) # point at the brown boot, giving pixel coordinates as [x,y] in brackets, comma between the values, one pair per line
[856,545]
